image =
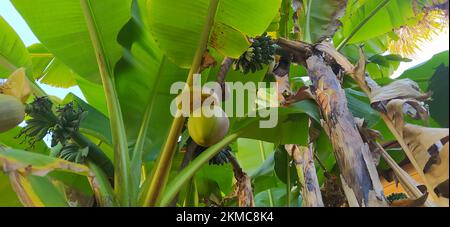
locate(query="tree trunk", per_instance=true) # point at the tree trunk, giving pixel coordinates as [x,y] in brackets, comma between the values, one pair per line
[304,162]
[352,154]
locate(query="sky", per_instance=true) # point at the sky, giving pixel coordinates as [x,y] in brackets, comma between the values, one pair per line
[7,11]
[13,18]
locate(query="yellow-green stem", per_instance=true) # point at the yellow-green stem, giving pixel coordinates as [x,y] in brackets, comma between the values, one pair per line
[187,173]
[263,156]
[160,174]
[137,155]
[122,184]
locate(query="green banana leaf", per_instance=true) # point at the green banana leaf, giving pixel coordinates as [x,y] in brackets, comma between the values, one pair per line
[29,175]
[377,18]
[177,25]
[49,70]
[13,53]
[61,27]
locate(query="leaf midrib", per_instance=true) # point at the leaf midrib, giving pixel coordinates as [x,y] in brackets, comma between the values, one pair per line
[7,64]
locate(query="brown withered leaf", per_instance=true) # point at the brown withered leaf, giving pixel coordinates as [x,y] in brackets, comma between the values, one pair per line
[412,188]
[398,107]
[207,61]
[243,187]
[283,88]
[430,148]
[245,191]
[411,202]
[368,133]
[304,93]
[340,59]
[370,137]
[399,89]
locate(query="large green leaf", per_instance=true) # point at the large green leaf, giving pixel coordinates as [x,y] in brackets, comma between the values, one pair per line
[94,94]
[284,170]
[177,25]
[321,19]
[13,53]
[374,46]
[61,27]
[439,107]
[359,105]
[8,196]
[383,66]
[369,19]
[49,70]
[257,160]
[252,154]
[291,128]
[432,75]
[222,175]
[422,73]
[73,181]
[150,90]
[278,198]
[29,173]
[150,74]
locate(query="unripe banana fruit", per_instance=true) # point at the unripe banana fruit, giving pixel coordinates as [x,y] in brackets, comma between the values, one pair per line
[208,127]
[203,96]
[12,112]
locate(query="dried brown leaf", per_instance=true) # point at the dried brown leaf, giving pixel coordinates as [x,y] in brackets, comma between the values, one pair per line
[399,89]
[430,149]
[411,202]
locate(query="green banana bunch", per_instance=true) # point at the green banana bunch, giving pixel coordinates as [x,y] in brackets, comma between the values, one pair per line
[72,153]
[221,158]
[260,53]
[396,196]
[42,120]
[69,122]
[67,141]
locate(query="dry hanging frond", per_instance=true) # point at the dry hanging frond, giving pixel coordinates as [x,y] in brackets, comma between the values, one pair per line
[334,55]
[410,202]
[410,185]
[243,188]
[245,192]
[369,136]
[398,107]
[400,89]
[430,148]
[304,93]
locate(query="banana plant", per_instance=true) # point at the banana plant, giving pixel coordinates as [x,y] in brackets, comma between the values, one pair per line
[120,145]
